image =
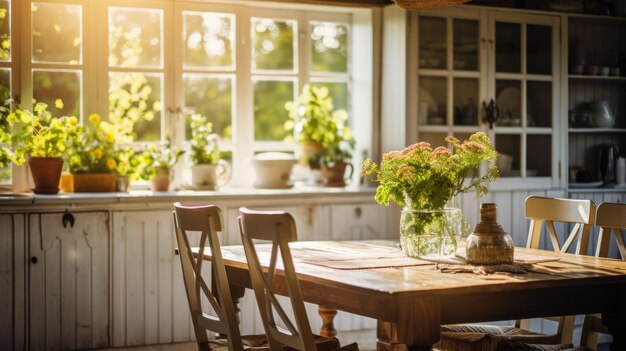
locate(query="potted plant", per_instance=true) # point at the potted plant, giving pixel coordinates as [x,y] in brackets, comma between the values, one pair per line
[324,140]
[423,181]
[208,171]
[156,163]
[128,167]
[92,157]
[38,138]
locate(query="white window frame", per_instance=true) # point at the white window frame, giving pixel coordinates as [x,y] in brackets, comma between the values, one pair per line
[95,68]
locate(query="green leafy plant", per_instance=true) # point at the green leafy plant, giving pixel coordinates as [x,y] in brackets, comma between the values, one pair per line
[312,119]
[93,149]
[426,179]
[204,143]
[37,134]
[156,157]
[128,162]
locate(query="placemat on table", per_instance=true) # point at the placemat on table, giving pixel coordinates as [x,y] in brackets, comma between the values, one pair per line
[370,262]
[522,263]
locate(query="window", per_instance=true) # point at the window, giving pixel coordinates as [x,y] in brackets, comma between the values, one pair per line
[156,63]
[6,65]
[56,56]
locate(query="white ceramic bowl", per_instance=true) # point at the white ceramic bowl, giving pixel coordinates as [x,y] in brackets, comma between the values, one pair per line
[273,170]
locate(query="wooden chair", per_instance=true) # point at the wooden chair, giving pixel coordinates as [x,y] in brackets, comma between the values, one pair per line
[208,221]
[279,228]
[538,210]
[611,218]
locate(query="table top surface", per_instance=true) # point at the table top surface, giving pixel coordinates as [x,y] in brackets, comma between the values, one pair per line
[568,270]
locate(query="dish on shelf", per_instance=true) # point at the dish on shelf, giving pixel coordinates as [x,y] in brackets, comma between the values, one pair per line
[586,184]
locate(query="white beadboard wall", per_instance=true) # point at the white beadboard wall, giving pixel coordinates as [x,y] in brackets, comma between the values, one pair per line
[12,281]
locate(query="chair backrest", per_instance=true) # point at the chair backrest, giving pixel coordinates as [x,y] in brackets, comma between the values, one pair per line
[549,210]
[611,218]
[278,228]
[208,221]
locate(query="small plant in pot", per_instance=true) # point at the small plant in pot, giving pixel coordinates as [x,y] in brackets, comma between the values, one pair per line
[38,138]
[336,154]
[157,162]
[208,172]
[324,140]
[92,157]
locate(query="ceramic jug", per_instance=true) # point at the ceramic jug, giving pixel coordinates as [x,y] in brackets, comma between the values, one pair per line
[603,114]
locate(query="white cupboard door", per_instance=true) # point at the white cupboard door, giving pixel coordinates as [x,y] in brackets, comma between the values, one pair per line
[149,301]
[359,222]
[12,281]
[69,280]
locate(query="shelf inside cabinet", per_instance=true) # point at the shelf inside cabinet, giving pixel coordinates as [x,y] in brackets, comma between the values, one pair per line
[597,130]
[614,79]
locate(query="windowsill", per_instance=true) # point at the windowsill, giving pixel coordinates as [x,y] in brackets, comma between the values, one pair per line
[140,196]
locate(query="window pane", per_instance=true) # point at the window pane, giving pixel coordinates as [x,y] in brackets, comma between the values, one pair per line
[57,33]
[210,96]
[539,104]
[329,47]
[432,39]
[508,47]
[5,85]
[466,101]
[508,146]
[338,92]
[539,49]
[5,31]
[539,166]
[135,37]
[209,39]
[61,90]
[137,97]
[466,39]
[432,95]
[270,114]
[273,44]
[509,102]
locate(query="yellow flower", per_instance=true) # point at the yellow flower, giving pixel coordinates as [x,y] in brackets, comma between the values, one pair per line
[111,163]
[96,153]
[72,121]
[109,137]
[94,118]
[58,103]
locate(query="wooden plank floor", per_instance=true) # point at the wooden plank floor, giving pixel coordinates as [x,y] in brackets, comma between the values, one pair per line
[365,338]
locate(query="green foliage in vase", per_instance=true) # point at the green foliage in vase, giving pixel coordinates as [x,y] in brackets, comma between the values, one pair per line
[204,143]
[423,178]
[313,120]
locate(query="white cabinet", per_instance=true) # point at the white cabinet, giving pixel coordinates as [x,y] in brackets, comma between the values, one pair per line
[149,301]
[68,280]
[12,281]
[460,60]
[359,222]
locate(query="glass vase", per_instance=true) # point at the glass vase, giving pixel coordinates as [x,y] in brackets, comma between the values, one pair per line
[432,233]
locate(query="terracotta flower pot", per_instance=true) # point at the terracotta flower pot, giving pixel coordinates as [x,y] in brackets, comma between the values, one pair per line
[161,182]
[46,173]
[95,182]
[336,175]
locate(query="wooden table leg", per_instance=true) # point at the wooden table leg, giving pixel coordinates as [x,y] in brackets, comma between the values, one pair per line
[328,316]
[615,321]
[419,322]
[387,337]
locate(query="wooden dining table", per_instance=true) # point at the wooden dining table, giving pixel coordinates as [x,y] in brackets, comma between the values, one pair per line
[411,302]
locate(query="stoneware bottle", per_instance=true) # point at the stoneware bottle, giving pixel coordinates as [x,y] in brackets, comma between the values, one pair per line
[489,243]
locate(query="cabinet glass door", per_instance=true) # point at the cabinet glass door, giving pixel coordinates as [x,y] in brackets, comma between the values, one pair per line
[523,89]
[448,74]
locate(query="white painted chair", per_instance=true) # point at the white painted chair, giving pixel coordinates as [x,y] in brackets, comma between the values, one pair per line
[279,229]
[611,218]
[208,221]
[538,210]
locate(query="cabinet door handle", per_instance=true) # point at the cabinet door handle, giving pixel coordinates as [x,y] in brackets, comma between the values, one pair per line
[358,212]
[68,218]
[33,259]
